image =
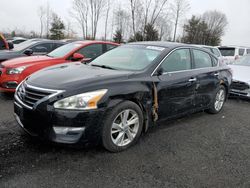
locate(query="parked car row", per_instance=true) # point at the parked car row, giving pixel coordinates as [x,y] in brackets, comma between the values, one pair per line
[94,91]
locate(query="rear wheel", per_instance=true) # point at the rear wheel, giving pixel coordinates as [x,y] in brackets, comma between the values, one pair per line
[218,100]
[122,127]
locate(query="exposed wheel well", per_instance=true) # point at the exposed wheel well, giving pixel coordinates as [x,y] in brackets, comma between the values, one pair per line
[144,112]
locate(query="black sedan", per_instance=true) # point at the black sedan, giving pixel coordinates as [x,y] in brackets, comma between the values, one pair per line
[120,94]
[30,47]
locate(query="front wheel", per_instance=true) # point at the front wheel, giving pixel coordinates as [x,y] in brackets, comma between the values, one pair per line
[122,127]
[218,100]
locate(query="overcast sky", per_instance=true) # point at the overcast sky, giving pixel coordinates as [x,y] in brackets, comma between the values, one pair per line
[22,14]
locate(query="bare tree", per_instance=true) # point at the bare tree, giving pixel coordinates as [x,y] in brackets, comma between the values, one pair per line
[121,21]
[152,9]
[48,18]
[216,24]
[133,7]
[41,13]
[106,19]
[179,8]
[145,12]
[80,11]
[70,33]
[164,26]
[96,8]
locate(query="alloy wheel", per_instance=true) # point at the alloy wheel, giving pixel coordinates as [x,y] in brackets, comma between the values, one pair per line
[125,127]
[219,100]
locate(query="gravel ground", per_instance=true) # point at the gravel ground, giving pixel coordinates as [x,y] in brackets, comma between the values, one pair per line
[199,150]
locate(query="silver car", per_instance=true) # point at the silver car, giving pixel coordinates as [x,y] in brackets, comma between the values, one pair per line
[241,77]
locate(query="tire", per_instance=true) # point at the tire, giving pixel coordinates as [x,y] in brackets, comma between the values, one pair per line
[214,109]
[117,134]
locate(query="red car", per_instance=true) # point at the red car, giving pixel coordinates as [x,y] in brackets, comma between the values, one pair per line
[14,71]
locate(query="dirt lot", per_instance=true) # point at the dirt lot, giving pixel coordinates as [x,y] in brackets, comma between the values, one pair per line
[200,150]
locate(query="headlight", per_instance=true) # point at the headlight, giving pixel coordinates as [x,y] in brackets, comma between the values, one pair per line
[85,101]
[17,70]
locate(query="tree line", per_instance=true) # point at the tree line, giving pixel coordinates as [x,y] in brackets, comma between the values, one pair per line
[133,20]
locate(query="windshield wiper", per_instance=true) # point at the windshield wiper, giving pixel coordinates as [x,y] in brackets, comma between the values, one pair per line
[103,66]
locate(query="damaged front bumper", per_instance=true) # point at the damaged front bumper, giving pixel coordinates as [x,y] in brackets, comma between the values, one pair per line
[60,126]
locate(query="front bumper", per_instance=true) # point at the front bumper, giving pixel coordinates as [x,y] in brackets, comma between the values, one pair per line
[240,93]
[8,83]
[61,126]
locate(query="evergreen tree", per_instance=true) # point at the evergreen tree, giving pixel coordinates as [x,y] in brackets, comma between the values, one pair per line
[57,28]
[118,36]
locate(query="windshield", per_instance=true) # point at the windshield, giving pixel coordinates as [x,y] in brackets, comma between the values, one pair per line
[244,61]
[22,46]
[64,50]
[227,51]
[129,57]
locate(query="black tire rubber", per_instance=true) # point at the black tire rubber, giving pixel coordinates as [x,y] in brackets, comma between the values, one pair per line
[212,109]
[106,130]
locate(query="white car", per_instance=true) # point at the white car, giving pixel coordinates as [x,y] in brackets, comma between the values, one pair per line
[232,53]
[241,77]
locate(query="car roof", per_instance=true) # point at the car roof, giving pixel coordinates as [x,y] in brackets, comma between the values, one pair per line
[84,42]
[161,44]
[204,46]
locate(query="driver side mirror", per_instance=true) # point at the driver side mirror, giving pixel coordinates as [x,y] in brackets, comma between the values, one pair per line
[77,57]
[28,52]
[11,45]
[160,71]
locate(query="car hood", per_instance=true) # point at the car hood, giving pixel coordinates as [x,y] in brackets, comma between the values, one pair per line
[26,61]
[73,76]
[241,73]
[7,54]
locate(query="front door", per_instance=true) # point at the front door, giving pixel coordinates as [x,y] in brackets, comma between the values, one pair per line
[176,88]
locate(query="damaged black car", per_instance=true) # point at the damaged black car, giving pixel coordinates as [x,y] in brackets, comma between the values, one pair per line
[119,95]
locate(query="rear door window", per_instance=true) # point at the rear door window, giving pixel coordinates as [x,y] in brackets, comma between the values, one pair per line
[227,51]
[42,48]
[202,59]
[248,51]
[56,45]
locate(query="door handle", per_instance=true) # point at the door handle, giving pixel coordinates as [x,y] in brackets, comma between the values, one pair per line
[192,80]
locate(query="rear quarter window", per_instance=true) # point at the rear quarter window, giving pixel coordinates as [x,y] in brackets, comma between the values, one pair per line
[216,52]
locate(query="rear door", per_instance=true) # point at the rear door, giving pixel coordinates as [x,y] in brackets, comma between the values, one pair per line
[177,84]
[207,74]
